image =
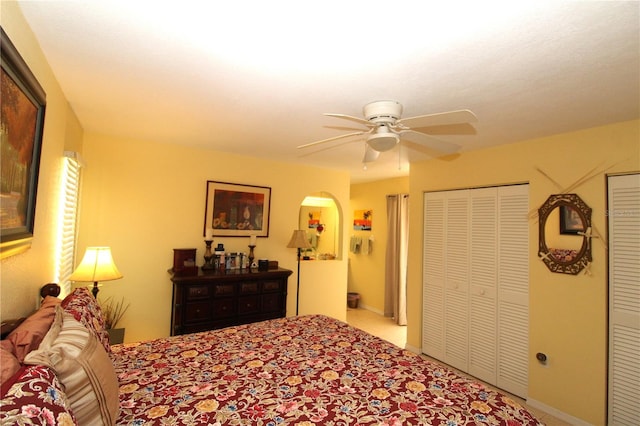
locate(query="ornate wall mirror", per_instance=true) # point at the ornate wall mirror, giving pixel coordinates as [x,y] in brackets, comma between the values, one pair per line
[565,233]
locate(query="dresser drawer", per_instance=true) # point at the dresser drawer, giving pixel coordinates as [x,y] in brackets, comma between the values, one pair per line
[197,311]
[249,287]
[223,308]
[197,292]
[223,289]
[272,302]
[248,304]
[272,286]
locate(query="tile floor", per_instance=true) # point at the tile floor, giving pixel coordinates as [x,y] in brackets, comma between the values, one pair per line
[386,329]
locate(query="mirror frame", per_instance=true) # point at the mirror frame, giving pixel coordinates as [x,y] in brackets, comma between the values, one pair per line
[583,258]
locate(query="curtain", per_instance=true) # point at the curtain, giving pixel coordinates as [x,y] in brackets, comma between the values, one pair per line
[395,299]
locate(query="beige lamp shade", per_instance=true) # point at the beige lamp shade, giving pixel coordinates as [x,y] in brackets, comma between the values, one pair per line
[97,265]
[299,239]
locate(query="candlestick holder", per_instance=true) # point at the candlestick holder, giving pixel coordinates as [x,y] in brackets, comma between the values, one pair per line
[251,256]
[208,256]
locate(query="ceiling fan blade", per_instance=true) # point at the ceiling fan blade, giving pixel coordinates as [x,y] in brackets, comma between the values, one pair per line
[370,154]
[327,147]
[332,139]
[344,128]
[429,141]
[349,117]
[447,129]
[439,119]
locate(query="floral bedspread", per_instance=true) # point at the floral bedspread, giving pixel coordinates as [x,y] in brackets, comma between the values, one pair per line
[310,370]
[35,396]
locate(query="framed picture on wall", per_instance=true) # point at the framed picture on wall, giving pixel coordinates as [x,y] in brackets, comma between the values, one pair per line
[22,121]
[236,210]
[362,220]
[570,221]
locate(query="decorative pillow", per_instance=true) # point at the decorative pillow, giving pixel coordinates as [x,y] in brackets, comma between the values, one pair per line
[9,364]
[83,367]
[28,335]
[34,396]
[83,306]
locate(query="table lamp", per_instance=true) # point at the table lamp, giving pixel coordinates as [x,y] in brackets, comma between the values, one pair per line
[97,265]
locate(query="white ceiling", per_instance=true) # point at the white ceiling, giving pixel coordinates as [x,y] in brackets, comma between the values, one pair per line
[254,77]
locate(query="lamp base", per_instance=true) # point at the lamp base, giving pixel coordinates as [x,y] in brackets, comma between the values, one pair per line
[298,282]
[95,290]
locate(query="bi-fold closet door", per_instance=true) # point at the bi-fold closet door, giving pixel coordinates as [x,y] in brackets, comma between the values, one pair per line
[475,282]
[623,213]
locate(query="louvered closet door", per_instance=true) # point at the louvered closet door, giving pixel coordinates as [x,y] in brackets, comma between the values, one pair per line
[624,299]
[433,276]
[456,282]
[483,289]
[513,284]
[476,282]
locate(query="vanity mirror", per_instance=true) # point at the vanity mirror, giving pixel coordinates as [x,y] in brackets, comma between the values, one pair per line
[565,233]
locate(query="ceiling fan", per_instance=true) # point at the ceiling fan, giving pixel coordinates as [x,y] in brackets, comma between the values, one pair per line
[386,128]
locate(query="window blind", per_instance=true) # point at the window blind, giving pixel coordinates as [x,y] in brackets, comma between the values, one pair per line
[70,191]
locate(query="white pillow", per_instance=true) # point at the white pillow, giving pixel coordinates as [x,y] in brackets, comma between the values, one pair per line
[84,368]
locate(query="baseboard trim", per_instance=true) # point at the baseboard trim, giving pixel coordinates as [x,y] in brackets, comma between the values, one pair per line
[413,349]
[369,308]
[557,413]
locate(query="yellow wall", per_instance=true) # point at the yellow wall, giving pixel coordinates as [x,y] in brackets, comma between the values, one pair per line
[22,275]
[144,199]
[568,314]
[366,272]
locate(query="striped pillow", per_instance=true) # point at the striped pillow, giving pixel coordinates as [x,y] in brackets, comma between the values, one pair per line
[83,367]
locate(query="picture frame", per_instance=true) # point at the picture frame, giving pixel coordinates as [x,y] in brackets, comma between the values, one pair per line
[570,221]
[362,220]
[237,210]
[22,123]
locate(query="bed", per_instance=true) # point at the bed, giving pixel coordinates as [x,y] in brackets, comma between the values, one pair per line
[306,370]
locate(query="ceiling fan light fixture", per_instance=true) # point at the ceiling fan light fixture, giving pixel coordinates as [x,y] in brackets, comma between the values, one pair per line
[382,142]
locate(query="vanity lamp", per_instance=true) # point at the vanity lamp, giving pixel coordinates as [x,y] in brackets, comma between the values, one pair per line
[97,265]
[299,240]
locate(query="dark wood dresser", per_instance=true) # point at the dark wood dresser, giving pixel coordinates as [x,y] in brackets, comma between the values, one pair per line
[216,299]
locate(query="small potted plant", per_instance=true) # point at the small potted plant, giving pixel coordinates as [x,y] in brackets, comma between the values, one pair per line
[113,310]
